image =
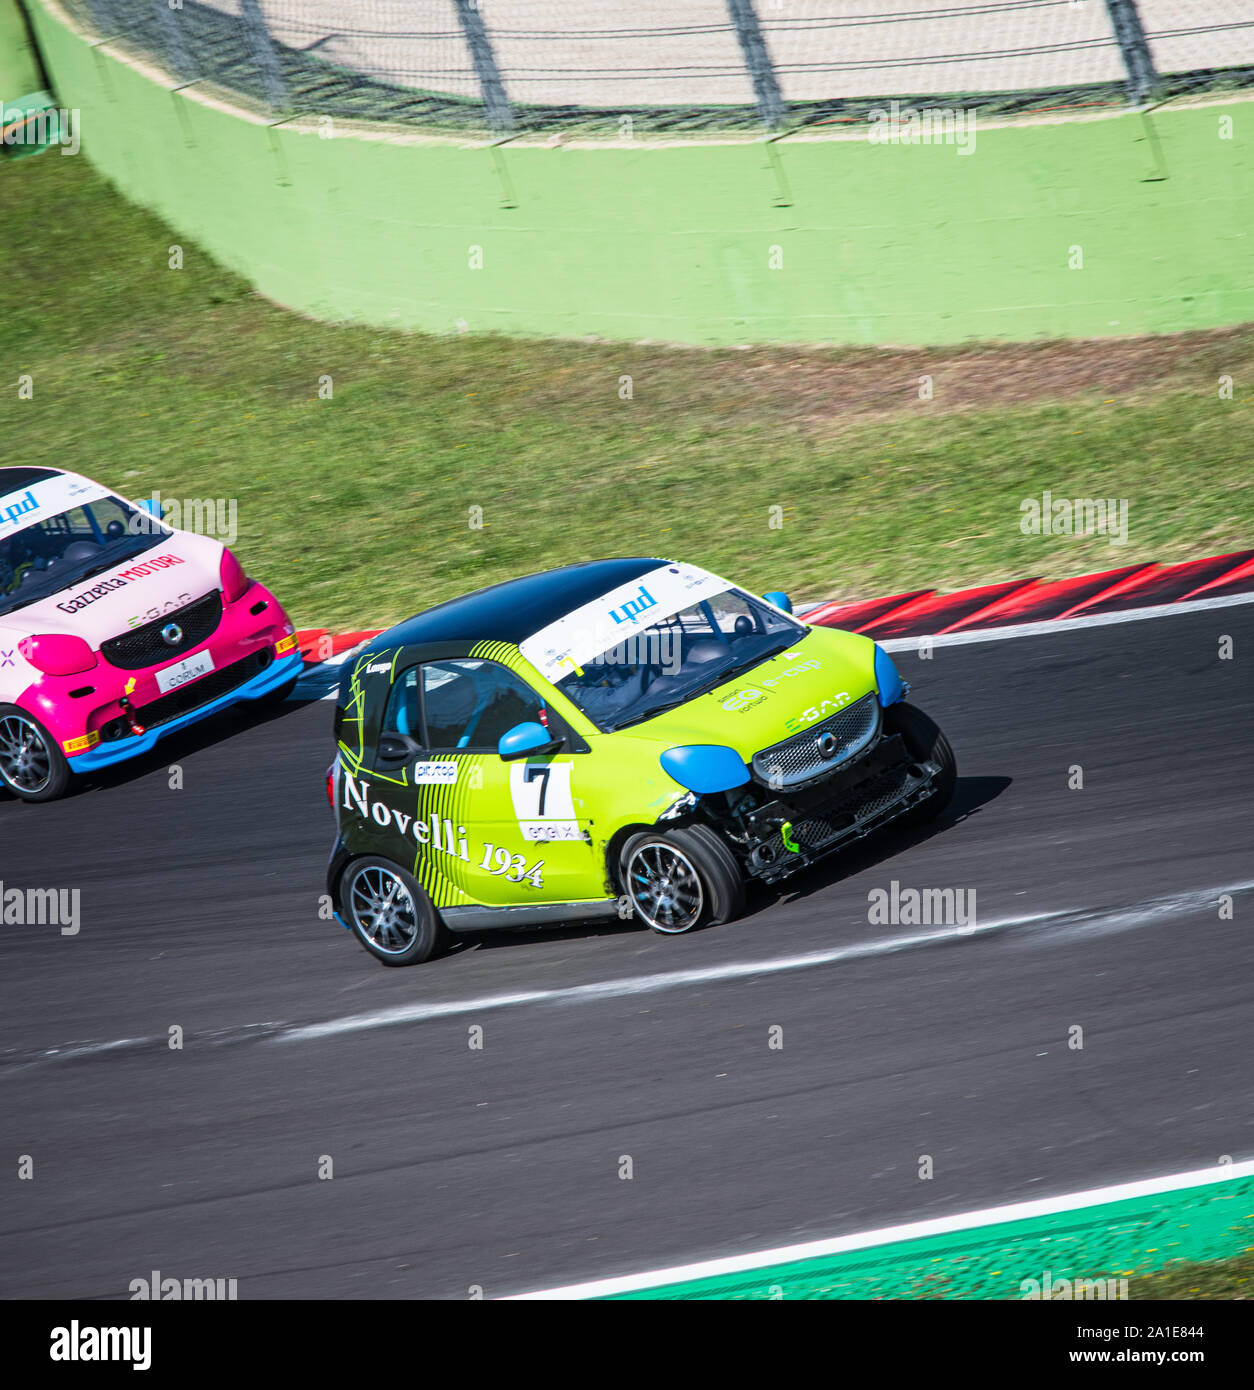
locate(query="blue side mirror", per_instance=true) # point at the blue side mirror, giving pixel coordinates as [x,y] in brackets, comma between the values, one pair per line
[779,600]
[525,739]
[151,506]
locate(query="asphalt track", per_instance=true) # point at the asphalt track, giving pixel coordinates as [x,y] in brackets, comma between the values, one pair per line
[499,1168]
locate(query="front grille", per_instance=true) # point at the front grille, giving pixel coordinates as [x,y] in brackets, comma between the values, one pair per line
[146,647]
[798,759]
[860,810]
[200,692]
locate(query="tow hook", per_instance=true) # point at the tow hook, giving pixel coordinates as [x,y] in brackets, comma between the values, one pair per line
[128,708]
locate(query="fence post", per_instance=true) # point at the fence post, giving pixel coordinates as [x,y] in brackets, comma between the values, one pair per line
[765,84]
[495,100]
[175,44]
[264,56]
[1125,19]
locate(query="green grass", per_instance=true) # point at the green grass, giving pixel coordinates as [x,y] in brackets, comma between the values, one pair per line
[357,509]
[1209,1279]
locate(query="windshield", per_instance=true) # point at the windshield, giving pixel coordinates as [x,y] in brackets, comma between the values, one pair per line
[671,661]
[65,549]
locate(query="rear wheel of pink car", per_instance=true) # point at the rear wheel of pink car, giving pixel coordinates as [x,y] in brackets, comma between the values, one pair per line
[32,766]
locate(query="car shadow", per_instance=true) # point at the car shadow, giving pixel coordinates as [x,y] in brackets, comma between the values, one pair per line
[971,795]
[182,744]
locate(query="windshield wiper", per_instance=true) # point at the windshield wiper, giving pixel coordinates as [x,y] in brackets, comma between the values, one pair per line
[738,668]
[651,711]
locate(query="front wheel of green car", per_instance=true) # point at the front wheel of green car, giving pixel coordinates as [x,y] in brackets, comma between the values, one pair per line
[924,742]
[389,912]
[678,880]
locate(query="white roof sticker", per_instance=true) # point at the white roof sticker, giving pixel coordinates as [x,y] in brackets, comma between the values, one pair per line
[45,499]
[586,632]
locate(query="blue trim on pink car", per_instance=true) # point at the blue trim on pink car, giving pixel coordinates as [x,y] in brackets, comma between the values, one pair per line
[106,754]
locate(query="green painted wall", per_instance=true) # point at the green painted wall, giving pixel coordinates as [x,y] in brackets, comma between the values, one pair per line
[881,244]
[19,68]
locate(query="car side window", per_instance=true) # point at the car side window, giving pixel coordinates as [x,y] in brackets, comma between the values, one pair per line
[470,704]
[404,711]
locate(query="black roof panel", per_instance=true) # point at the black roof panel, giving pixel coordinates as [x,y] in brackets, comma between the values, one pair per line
[19,479]
[512,611]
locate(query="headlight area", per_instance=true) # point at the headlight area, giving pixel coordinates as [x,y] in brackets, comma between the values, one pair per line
[888,680]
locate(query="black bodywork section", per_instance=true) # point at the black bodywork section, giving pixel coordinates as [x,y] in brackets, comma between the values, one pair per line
[514,610]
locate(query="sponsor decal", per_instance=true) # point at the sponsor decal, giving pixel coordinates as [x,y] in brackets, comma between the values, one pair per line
[6,657]
[378,668]
[285,644]
[169,606]
[441,774]
[574,640]
[819,711]
[18,509]
[81,745]
[788,672]
[439,835]
[182,672]
[498,860]
[120,580]
[11,512]
[538,831]
[631,609]
[744,699]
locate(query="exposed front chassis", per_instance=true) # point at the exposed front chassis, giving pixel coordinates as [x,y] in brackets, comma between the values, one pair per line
[777,833]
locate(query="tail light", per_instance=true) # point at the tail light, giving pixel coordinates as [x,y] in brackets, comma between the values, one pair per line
[331,784]
[57,654]
[231,577]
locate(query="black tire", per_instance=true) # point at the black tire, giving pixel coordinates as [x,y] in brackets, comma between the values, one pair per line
[925,743]
[709,891]
[32,765]
[411,931]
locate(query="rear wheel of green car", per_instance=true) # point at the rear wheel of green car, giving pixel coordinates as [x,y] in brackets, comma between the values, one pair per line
[389,912]
[679,880]
[925,743]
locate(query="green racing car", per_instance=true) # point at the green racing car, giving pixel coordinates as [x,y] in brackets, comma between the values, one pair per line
[619,738]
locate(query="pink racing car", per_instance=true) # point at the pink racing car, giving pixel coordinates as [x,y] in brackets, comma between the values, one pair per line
[116,629]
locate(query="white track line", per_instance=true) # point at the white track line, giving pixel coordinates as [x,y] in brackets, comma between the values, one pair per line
[889,1235]
[1152,910]
[1090,921]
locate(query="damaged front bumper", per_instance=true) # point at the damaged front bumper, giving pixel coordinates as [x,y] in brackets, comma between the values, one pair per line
[806,824]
